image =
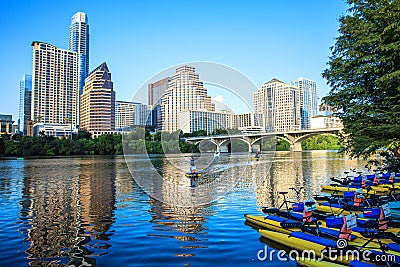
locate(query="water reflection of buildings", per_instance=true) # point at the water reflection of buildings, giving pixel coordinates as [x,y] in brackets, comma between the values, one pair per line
[69,206]
[299,169]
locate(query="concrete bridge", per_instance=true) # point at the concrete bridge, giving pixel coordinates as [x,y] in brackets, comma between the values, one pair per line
[254,139]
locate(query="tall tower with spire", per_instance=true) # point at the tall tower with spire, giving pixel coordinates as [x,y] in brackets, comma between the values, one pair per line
[79,43]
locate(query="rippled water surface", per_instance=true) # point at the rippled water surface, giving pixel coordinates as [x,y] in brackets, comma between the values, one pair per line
[89,211]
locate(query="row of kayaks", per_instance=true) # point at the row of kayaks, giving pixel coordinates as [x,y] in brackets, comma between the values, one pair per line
[352,224]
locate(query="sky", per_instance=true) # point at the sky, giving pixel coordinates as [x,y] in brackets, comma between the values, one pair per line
[263,39]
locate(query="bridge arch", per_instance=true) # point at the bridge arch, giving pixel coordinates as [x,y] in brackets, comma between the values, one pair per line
[197,143]
[229,141]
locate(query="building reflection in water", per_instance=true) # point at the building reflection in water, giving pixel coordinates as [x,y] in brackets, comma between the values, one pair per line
[299,169]
[69,207]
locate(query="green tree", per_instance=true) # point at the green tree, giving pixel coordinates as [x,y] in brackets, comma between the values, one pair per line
[2,146]
[364,75]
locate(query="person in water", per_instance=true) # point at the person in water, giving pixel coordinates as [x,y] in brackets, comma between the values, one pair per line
[257,155]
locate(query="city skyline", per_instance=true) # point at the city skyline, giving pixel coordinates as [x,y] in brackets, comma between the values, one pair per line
[253,50]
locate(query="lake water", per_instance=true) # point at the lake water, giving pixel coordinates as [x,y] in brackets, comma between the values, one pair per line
[91,211]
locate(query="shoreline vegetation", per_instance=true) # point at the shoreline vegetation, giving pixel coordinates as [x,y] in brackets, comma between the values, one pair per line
[139,141]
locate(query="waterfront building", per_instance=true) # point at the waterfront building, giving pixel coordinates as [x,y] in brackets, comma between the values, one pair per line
[54,129]
[6,123]
[143,115]
[54,85]
[128,115]
[308,100]
[97,107]
[279,104]
[322,122]
[124,115]
[79,43]
[25,98]
[194,120]
[250,122]
[185,92]
[155,92]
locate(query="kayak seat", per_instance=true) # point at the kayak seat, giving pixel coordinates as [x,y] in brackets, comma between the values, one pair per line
[334,233]
[279,219]
[315,239]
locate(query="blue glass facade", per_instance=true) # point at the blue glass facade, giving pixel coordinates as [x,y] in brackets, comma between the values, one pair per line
[309,100]
[25,97]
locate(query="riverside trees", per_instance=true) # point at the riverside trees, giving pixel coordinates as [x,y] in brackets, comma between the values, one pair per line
[364,75]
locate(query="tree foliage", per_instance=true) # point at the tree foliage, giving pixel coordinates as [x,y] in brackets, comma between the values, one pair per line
[364,75]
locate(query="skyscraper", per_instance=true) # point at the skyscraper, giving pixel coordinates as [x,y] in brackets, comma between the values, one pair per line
[280,105]
[156,92]
[97,107]
[185,92]
[308,101]
[25,97]
[79,43]
[54,84]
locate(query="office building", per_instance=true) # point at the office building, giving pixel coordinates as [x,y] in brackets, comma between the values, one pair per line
[185,92]
[322,122]
[279,104]
[79,43]
[54,85]
[250,122]
[54,129]
[125,115]
[143,115]
[128,115]
[6,123]
[308,100]
[97,107]
[25,98]
[194,120]
[155,92]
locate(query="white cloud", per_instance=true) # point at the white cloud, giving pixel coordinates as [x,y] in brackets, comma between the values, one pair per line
[219,98]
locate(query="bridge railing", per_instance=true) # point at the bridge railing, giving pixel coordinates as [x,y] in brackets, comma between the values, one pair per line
[263,133]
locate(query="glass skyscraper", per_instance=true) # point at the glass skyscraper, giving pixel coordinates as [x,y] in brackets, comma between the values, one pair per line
[309,100]
[79,43]
[25,97]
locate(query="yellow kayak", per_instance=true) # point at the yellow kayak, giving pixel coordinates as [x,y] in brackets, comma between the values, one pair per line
[299,244]
[265,223]
[315,263]
[376,190]
[304,241]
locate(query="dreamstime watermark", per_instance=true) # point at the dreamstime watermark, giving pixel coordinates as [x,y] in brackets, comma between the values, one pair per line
[166,181]
[340,253]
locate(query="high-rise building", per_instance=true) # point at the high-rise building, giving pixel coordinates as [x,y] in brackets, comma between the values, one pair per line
[6,124]
[128,115]
[280,105]
[308,101]
[25,98]
[79,43]
[143,114]
[54,85]
[194,120]
[97,107]
[247,122]
[156,91]
[124,115]
[185,92]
